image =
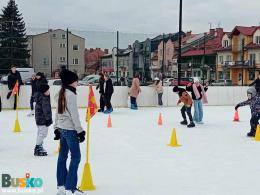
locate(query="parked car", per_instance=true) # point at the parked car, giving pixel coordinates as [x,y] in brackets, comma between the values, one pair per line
[52,82]
[222,82]
[4,80]
[85,80]
[183,82]
[167,81]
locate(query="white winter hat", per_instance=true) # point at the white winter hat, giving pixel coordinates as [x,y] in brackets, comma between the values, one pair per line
[156,79]
[196,80]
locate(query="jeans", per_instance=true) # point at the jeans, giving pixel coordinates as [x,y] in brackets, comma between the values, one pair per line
[41,134]
[198,111]
[133,101]
[108,101]
[187,110]
[68,142]
[160,103]
[31,102]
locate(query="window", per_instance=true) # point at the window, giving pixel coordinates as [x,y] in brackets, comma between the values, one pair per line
[76,61]
[251,75]
[221,59]
[226,43]
[220,75]
[168,51]
[161,52]
[54,36]
[252,59]
[227,75]
[257,40]
[62,59]
[75,47]
[45,61]
[63,36]
[62,45]
[229,58]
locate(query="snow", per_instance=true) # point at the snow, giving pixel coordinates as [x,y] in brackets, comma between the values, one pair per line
[133,158]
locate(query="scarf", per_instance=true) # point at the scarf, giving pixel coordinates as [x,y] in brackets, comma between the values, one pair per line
[197,93]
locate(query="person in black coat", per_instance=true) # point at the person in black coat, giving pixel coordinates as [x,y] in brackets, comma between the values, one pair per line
[257,83]
[40,81]
[32,100]
[13,77]
[43,117]
[109,90]
[100,86]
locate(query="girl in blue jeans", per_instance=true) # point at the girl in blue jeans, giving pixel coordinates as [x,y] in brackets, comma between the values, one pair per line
[70,132]
[198,93]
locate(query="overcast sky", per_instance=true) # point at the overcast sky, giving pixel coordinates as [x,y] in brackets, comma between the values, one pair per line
[141,16]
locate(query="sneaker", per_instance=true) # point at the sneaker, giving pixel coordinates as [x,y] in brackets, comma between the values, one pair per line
[184,122]
[61,190]
[100,110]
[108,111]
[191,125]
[76,192]
[251,134]
[39,151]
[133,107]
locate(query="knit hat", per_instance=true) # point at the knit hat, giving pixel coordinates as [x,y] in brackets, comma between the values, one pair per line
[44,88]
[175,89]
[67,77]
[40,74]
[252,91]
[156,79]
[196,80]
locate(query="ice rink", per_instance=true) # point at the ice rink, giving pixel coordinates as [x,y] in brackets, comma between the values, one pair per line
[132,157]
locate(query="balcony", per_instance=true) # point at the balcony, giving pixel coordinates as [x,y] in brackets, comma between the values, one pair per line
[245,63]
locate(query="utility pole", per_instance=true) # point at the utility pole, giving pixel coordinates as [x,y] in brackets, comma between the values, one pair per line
[67,36]
[163,59]
[179,49]
[117,53]
[204,56]
[51,36]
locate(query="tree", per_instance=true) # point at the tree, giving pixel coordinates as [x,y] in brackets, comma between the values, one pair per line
[13,39]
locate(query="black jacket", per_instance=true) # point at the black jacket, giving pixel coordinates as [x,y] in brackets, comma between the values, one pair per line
[12,78]
[39,82]
[190,89]
[101,86]
[43,113]
[33,85]
[257,85]
[109,88]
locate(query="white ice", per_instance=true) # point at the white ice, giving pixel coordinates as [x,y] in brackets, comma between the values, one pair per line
[133,158]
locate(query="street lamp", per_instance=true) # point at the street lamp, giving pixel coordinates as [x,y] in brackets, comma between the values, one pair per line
[179,50]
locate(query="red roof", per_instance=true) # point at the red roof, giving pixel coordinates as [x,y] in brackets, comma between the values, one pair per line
[247,31]
[252,46]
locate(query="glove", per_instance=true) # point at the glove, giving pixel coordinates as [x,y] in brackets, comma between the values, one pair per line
[237,106]
[57,134]
[81,136]
[48,122]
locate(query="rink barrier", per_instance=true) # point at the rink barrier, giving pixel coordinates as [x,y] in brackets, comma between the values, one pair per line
[217,96]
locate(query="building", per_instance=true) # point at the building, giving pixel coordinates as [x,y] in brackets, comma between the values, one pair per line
[146,53]
[93,60]
[49,51]
[125,62]
[245,49]
[199,57]
[224,58]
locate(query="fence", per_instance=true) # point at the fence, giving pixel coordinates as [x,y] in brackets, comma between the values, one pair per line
[219,96]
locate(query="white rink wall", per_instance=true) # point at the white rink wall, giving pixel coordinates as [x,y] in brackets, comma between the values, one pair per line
[217,96]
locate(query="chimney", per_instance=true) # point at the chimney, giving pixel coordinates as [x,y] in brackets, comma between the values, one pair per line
[50,30]
[129,46]
[212,32]
[106,51]
[220,32]
[91,49]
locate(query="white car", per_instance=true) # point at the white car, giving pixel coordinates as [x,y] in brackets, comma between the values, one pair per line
[52,82]
[167,81]
[88,78]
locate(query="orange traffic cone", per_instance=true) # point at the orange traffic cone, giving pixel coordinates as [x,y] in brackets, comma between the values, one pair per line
[236,117]
[160,123]
[109,122]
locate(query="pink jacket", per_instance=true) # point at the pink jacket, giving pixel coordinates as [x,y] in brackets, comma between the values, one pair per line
[135,88]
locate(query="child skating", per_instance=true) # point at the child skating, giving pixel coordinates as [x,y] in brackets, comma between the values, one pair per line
[254,103]
[185,98]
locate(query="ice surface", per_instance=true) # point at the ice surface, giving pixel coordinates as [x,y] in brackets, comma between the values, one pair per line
[132,157]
